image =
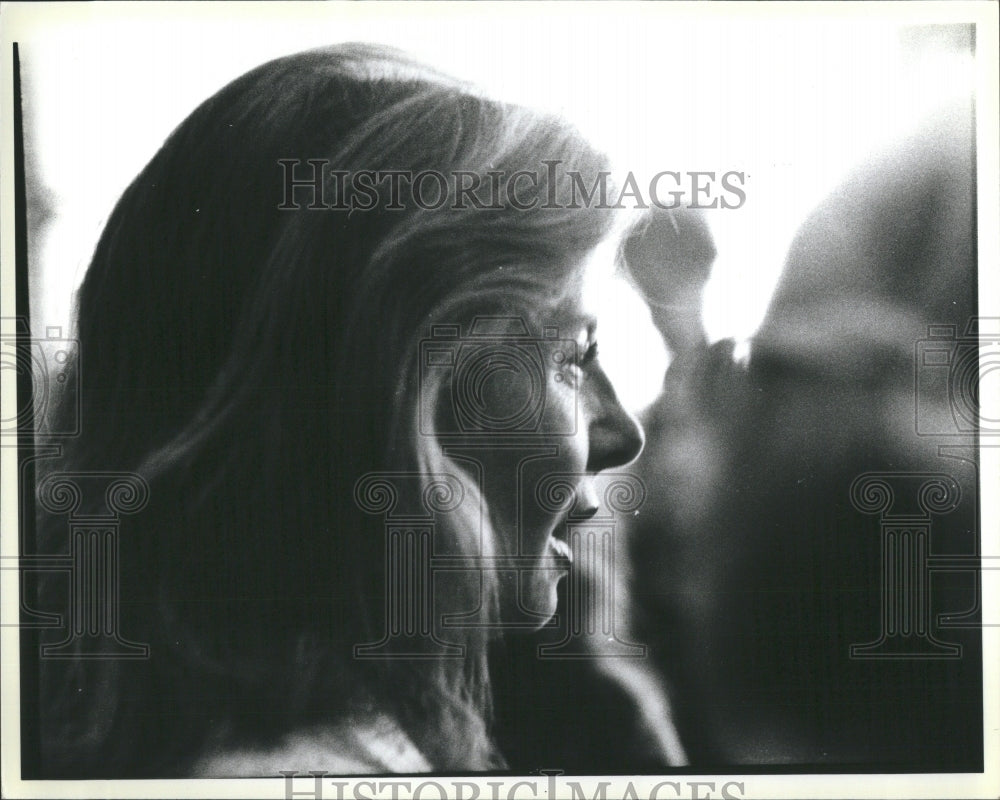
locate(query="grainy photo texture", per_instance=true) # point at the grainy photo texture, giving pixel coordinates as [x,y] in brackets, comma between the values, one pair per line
[385,408]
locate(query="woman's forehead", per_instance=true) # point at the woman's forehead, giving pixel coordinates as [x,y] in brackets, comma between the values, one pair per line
[573,306]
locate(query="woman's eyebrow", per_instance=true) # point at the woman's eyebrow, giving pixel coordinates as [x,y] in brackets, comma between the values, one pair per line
[584,323]
[569,320]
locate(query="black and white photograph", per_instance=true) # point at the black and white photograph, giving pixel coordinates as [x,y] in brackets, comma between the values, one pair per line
[525,400]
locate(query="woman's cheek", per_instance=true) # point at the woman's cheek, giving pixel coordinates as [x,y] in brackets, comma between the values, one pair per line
[566,405]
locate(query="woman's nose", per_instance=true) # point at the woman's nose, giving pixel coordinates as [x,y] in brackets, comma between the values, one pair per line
[615,436]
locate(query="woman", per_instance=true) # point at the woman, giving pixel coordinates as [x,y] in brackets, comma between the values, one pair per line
[253,351]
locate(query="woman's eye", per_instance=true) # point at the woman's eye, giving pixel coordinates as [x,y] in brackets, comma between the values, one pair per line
[584,356]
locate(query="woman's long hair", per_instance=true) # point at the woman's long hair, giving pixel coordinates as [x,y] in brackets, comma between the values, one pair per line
[251,363]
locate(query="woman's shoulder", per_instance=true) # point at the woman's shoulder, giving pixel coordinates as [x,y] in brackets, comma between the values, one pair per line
[358,746]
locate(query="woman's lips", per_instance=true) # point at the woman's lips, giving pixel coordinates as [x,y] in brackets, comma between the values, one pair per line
[587,506]
[561,547]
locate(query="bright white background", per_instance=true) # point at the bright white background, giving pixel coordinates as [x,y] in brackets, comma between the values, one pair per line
[793,104]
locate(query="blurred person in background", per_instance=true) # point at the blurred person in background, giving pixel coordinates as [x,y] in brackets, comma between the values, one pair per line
[754,572]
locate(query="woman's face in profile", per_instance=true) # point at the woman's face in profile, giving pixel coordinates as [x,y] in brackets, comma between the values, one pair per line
[532,483]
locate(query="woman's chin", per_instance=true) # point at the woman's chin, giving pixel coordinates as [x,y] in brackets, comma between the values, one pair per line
[545,594]
[561,549]
[535,593]
[544,605]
